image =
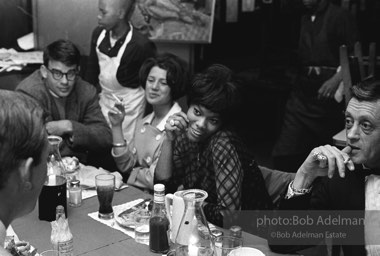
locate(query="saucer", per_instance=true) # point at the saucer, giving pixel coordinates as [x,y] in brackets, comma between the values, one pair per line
[246,251]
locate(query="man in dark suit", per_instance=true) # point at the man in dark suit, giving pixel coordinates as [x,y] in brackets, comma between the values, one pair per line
[348,179]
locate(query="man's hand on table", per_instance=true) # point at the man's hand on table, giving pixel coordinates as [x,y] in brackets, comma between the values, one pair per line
[59,128]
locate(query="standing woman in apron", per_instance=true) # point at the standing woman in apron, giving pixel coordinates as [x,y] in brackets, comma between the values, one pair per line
[117,53]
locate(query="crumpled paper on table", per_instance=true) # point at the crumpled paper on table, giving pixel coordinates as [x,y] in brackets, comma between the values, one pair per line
[10,59]
[6,63]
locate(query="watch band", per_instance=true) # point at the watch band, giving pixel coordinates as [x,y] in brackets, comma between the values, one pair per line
[296,192]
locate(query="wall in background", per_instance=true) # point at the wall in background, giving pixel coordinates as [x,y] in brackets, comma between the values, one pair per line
[75,20]
[69,19]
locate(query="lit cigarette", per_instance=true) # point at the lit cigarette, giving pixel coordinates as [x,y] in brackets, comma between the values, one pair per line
[116,98]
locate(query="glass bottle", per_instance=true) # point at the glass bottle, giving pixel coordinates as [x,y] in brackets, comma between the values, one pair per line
[75,193]
[159,222]
[61,236]
[193,230]
[55,164]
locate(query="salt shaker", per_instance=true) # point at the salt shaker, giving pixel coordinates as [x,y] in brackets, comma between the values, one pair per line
[75,193]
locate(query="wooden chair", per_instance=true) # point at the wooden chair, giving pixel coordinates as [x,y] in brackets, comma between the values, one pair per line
[354,68]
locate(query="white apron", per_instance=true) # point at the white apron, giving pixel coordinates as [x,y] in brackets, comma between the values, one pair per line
[133,98]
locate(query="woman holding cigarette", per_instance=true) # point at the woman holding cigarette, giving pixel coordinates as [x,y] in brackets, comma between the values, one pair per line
[201,151]
[164,78]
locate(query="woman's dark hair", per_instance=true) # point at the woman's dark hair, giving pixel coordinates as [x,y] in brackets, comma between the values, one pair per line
[216,89]
[177,76]
[63,51]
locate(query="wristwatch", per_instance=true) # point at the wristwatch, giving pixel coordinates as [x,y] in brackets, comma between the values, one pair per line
[292,192]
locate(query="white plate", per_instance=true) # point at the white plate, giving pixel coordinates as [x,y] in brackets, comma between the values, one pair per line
[246,251]
[126,222]
[127,219]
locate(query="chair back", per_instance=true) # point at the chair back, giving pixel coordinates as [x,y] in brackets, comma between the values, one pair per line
[356,67]
[276,182]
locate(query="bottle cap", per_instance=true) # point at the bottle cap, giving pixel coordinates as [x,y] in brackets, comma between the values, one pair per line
[159,187]
[75,183]
[217,232]
[236,231]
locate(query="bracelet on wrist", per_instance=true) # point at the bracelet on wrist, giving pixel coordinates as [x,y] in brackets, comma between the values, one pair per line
[120,145]
[299,191]
[292,192]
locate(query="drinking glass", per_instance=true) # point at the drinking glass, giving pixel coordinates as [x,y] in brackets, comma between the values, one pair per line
[105,186]
[191,250]
[223,245]
[49,253]
[141,219]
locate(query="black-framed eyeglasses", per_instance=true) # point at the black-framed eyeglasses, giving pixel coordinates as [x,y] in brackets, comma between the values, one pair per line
[57,74]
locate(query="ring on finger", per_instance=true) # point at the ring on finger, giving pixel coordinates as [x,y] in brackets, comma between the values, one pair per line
[171,122]
[318,155]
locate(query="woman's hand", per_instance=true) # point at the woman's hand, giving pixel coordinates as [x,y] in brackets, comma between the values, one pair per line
[176,124]
[116,114]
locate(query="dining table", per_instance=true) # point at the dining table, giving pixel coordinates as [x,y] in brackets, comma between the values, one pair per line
[93,238]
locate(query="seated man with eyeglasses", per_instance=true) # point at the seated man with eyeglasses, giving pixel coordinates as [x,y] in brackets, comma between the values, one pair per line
[70,103]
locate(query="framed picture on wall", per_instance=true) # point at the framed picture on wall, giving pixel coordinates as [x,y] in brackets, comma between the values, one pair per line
[189,21]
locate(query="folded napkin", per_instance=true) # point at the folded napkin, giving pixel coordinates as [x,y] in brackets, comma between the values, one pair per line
[10,232]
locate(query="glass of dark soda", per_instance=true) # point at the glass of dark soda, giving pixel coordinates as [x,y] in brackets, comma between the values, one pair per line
[105,186]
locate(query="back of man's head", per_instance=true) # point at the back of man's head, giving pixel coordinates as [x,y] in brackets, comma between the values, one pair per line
[22,132]
[63,51]
[367,90]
